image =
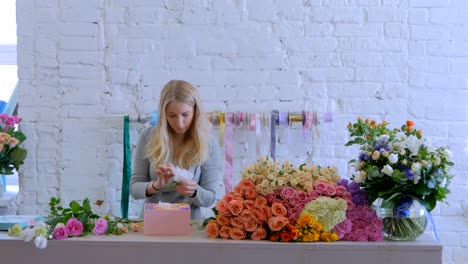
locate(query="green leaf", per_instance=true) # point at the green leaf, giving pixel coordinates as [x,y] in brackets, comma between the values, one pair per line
[75,207]
[86,206]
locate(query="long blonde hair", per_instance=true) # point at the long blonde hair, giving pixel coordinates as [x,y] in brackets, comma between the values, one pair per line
[194,148]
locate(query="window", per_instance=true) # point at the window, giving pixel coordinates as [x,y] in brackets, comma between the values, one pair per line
[8,67]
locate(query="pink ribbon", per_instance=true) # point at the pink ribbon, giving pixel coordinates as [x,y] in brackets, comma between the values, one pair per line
[228,132]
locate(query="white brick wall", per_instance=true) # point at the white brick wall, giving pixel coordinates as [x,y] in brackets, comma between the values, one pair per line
[83,61]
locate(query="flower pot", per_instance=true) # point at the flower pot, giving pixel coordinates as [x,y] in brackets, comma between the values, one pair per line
[403,220]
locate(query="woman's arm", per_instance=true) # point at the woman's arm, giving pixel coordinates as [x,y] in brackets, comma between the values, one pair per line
[210,176]
[140,180]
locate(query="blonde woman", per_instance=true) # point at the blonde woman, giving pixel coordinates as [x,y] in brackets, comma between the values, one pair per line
[180,140]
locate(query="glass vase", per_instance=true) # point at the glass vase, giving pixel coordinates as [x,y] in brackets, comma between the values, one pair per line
[403,220]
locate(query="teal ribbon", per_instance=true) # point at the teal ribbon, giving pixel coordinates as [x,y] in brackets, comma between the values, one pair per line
[127,169]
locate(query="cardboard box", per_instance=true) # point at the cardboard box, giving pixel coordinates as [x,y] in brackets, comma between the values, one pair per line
[8,221]
[166,219]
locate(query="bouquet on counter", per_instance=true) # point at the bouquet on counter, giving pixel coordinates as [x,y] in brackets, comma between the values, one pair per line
[284,203]
[75,221]
[402,171]
[12,154]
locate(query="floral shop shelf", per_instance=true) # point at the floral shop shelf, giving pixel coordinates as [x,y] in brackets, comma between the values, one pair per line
[198,248]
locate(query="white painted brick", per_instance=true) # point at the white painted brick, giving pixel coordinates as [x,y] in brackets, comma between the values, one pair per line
[330,74]
[429,3]
[241,78]
[459,33]
[115,15]
[352,90]
[358,30]
[231,12]
[143,15]
[417,48]
[387,14]
[78,29]
[213,46]
[264,11]
[343,15]
[85,15]
[70,4]
[362,59]
[92,58]
[447,49]
[81,72]
[79,43]
[369,45]
[47,60]
[46,15]
[290,92]
[318,29]
[418,16]
[179,48]
[45,44]
[448,16]
[433,32]
[288,29]
[284,78]
[78,112]
[43,3]
[262,48]
[314,60]
[304,45]
[396,30]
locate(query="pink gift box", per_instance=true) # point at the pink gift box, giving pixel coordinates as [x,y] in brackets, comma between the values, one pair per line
[166,219]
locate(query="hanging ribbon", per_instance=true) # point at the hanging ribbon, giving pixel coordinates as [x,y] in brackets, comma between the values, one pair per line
[221,129]
[258,134]
[127,169]
[229,119]
[154,118]
[274,122]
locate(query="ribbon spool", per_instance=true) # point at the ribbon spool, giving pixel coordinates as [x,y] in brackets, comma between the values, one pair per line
[295,117]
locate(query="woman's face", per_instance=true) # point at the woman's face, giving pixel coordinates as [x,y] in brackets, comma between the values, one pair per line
[179,116]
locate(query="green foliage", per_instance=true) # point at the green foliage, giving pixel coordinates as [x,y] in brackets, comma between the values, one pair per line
[82,212]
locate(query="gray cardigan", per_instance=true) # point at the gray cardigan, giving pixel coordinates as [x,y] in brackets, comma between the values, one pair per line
[207,175]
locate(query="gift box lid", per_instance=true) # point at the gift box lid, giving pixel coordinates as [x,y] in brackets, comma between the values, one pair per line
[8,221]
[167,206]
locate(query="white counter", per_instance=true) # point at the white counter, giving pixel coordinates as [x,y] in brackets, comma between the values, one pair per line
[198,249]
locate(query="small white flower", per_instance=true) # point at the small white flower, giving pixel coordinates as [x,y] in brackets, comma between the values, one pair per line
[443,183]
[416,167]
[383,138]
[448,154]
[387,169]
[400,135]
[393,158]
[437,161]
[402,152]
[424,163]
[416,178]
[27,234]
[40,242]
[414,144]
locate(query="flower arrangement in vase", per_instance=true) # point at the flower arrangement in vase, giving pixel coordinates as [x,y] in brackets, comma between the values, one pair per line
[399,168]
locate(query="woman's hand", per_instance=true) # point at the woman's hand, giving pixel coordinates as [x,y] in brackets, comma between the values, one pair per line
[165,175]
[187,188]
